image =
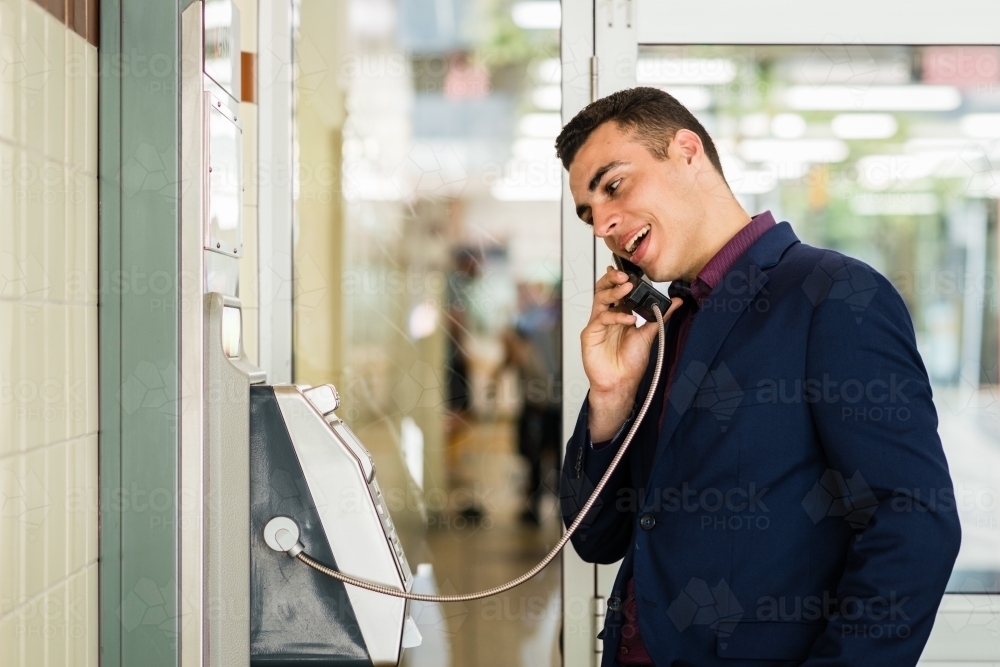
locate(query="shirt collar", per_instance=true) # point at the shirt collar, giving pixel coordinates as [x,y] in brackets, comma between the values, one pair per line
[722,261]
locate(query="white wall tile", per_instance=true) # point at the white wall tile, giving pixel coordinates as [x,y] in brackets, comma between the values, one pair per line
[55,193]
[36,77]
[91,109]
[48,341]
[10,55]
[10,365]
[90,395]
[53,387]
[91,231]
[10,539]
[35,507]
[31,247]
[78,245]
[78,384]
[10,643]
[78,616]
[32,346]
[56,523]
[55,89]
[77,112]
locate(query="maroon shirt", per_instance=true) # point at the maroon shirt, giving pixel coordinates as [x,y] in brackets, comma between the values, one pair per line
[631,650]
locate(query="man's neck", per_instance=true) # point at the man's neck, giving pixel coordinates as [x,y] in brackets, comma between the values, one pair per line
[721,223]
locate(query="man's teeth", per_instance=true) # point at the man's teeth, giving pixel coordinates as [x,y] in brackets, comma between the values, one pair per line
[630,248]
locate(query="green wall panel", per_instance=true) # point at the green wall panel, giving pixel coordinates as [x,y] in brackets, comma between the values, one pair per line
[139,240]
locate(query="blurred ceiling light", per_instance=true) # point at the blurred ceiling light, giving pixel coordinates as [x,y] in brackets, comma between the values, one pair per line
[981,125]
[755,125]
[371,18]
[955,144]
[540,125]
[830,66]
[549,71]
[788,171]
[793,150]
[543,15]
[547,97]
[423,320]
[533,149]
[873,98]
[662,70]
[695,98]
[864,126]
[520,192]
[754,182]
[895,203]
[788,126]
[879,172]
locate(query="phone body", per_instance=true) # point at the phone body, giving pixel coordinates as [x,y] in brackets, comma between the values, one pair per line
[642,295]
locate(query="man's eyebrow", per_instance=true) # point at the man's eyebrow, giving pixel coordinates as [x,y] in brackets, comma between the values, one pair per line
[581,209]
[599,174]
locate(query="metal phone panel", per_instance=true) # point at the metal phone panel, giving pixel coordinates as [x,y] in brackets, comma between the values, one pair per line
[228,375]
[355,529]
[298,615]
[224,217]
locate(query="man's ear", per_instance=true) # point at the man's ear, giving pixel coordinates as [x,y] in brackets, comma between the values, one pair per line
[688,145]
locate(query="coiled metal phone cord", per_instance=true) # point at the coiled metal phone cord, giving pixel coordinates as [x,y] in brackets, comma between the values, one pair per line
[395,592]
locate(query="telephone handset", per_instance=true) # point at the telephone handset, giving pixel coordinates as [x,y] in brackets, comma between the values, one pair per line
[643,294]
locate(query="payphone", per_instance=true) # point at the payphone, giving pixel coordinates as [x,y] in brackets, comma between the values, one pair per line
[313,483]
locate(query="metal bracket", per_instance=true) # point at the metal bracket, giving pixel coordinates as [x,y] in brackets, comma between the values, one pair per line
[594,65]
[600,611]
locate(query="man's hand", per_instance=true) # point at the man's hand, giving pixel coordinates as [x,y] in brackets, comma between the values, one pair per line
[615,354]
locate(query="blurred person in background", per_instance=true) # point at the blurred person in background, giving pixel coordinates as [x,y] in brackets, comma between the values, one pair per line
[459,387]
[533,347]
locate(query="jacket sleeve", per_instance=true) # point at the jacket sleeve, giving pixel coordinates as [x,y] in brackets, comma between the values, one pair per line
[878,427]
[605,534]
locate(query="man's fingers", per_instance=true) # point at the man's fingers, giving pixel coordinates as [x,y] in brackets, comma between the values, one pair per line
[612,317]
[610,278]
[612,294]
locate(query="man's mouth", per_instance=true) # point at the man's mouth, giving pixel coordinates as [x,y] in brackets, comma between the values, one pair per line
[634,242]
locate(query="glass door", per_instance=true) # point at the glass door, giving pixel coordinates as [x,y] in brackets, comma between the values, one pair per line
[875,130]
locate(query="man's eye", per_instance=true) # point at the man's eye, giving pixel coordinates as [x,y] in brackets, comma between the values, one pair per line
[613,185]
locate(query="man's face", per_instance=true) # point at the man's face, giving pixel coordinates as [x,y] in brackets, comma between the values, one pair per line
[648,211]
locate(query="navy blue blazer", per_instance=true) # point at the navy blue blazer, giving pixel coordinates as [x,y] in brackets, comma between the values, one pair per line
[796,507]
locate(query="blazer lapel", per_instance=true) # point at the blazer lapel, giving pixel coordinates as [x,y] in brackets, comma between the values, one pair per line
[713,322]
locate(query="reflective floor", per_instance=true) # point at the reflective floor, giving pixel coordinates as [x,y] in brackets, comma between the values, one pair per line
[522,626]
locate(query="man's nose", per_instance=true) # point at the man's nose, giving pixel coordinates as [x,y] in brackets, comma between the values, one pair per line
[606,221]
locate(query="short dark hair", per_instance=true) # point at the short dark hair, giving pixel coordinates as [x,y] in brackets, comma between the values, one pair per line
[654,116]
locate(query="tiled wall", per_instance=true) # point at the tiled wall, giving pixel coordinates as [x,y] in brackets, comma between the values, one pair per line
[48,340]
[248,114]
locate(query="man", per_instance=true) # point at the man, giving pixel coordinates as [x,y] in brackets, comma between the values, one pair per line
[773,508]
